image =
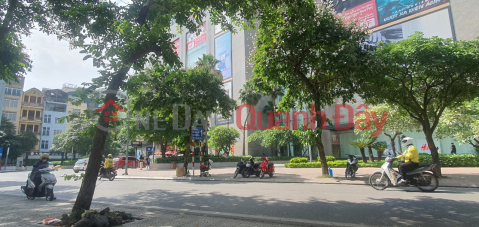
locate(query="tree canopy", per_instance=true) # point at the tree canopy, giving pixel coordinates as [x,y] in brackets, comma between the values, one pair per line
[222,138]
[424,76]
[305,48]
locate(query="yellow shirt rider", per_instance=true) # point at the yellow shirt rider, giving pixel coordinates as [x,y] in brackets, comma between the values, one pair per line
[109,162]
[411,159]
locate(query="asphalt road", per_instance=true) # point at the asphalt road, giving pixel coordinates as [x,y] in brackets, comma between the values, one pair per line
[348,205]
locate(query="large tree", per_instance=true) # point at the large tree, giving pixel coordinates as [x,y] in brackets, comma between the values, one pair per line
[305,48]
[461,122]
[121,37]
[424,76]
[392,120]
[19,143]
[161,88]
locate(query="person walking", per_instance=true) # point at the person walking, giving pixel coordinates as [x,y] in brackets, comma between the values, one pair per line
[453,148]
[147,163]
[142,159]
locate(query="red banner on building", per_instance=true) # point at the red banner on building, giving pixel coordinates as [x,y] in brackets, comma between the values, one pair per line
[177,46]
[193,40]
[365,14]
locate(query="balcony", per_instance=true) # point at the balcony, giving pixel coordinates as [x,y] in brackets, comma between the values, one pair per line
[32,104]
[30,118]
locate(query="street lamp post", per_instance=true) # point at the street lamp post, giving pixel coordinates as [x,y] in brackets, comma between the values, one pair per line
[8,151]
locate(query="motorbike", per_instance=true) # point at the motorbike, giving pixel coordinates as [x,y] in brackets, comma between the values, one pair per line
[352,167]
[425,178]
[109,173]
[240,166]
[266,168]
[44,189]
[251,168]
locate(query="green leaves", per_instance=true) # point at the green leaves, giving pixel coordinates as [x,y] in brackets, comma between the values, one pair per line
[221,138]
[74,177]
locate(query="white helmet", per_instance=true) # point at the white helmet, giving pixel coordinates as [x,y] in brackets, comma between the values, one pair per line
[406,141]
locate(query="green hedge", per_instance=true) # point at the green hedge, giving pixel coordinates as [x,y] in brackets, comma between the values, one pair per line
[66,162]
[216,158]
[447,160]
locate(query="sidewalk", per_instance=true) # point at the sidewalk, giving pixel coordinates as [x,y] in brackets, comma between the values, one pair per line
[452,177]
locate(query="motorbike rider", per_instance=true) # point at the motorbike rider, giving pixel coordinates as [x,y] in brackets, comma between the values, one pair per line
[35,176]
[411,159]
[108,164]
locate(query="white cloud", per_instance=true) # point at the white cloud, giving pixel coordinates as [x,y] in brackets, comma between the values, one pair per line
[54,64]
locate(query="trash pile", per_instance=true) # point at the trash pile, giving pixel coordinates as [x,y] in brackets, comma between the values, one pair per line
[89,218]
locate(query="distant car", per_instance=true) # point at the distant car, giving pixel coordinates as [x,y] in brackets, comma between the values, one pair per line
[132,162]
[80,165]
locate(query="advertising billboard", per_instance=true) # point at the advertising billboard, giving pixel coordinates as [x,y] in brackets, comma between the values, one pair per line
[219,120]
[434,24]
[195,46]
[223,54]
[373,13]
[391,10]
[365,13]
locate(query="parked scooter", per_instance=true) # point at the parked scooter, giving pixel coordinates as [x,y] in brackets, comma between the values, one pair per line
[424,177]
[45,189]
[239,167]
[109,173]
[251,168]
[352,167]
[266,168]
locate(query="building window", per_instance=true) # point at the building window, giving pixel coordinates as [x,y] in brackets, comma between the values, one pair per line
[39,99]
[33,99]
[44,144]
[56,132]
[22,128]
[35,128]
[10,103]
[58,120]
[76,111]
[46,131]
[47,119]
[13,91]
[25,98]
[12,116]
[56,107]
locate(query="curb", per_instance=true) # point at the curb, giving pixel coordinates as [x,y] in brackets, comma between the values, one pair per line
[269,181]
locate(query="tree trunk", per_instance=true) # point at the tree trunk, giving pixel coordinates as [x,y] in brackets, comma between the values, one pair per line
[87,189]
[435,156]
[318,131]
[380,154]
[188,149]
[371,156]
[61,163]
[163,149]
[26,159]
[363,156]
[393,144]
[244,134]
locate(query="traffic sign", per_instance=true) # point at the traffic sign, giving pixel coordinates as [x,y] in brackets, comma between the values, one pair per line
[197,133]
[1,151]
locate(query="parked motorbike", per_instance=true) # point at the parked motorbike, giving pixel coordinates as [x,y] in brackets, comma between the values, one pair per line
[424,177]
[45,189]
[239,167]
[251,168]
[266,168]
[109,173]
[352,167]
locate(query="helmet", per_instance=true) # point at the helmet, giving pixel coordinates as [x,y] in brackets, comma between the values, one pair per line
[109,155]
[406,141]
[44,156]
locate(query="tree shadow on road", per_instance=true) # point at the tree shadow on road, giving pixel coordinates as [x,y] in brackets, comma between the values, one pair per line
[422,210]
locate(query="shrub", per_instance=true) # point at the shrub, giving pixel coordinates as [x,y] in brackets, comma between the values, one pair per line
[216,158]
[328,158]
[447,160]
[298,160]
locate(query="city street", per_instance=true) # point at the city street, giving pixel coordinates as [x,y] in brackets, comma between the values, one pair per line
[229,203]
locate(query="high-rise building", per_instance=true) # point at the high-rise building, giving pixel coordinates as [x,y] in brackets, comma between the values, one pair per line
[32,113]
